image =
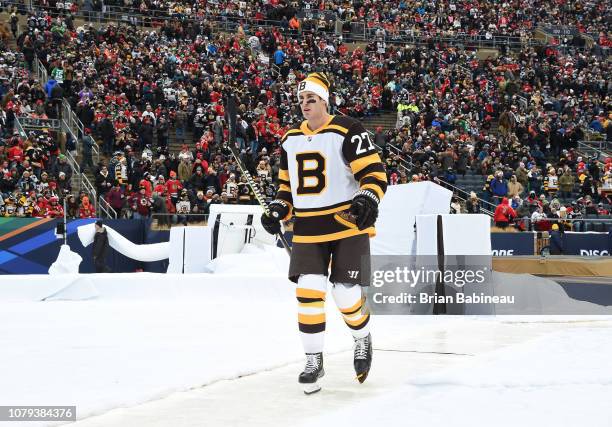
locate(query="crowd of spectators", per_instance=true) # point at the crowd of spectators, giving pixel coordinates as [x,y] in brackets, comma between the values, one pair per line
[135,90]
[544,102]
[34,176]
[397,18]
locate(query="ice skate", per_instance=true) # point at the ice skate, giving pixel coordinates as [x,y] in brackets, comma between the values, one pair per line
[363,357]
[312,372]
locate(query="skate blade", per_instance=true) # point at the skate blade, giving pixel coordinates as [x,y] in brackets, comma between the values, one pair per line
[362,377]
[311,388]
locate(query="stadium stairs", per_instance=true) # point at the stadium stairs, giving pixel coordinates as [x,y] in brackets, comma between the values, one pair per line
[386,119]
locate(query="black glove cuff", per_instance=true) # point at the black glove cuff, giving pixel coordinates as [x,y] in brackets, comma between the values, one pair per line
[274,209]
[279,202]
[369,194]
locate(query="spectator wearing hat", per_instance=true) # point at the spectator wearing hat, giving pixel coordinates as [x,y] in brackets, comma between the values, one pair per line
[173,187]
[556,240]
[551,183]
[504,214]
[472,205]
[140,204]
[515,188]
[183,208]
[499,186]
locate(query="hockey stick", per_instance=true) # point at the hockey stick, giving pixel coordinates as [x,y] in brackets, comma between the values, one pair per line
[231,115]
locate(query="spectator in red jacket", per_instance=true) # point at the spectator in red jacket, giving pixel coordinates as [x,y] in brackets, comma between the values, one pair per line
[86,210]
[115,198]
[504,214]
[54,209]
[173,186]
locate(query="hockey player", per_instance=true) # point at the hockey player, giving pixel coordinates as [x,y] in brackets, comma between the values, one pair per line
[331,179]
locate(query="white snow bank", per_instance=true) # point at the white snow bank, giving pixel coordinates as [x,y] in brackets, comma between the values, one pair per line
[560,379]
[67,262]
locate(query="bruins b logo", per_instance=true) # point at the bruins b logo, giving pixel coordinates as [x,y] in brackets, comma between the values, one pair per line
[301,86]
[311,173]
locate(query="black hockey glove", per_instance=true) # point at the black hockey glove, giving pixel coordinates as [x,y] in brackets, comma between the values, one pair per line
[365,208]
[278,210]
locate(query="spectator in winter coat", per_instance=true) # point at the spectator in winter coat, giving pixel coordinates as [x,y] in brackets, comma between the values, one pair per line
[515,188]
[521,175]
[197,181]
[472,205]
[556,241]
[499,187]
[100,247]
[566,184]
[104,182]
[184,170]
[86,210]
[504,214]
[115,197]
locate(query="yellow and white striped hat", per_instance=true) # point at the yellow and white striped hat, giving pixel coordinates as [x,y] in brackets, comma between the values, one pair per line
[316,83]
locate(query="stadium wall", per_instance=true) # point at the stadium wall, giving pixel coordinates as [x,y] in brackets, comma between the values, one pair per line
[29,245]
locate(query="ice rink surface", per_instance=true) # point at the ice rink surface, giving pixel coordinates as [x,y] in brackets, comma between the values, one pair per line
[203,350]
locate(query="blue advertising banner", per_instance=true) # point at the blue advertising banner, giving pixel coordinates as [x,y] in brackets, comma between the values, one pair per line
[512,244]
[587,244]
[30,246]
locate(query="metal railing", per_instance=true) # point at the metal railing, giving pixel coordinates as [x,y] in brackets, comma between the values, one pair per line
[68,117]
[599,149]
[77,129]
[106,208]
[581,225]
[70,124]
[38,123]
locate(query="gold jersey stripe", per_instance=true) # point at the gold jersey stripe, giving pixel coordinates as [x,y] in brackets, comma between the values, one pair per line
[311,319]
[333,236]
[346,223]
[306,130]
[284,187]
[359,321]
[381,176]
[314,304]
[337,127]
[353,308]
[284,175]
[324,212]
[309,293]
[362,162]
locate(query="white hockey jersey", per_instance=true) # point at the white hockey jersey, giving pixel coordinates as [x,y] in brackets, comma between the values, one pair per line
[320,171]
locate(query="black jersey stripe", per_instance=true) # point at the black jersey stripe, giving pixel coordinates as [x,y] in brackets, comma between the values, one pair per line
[312,329]
[372,167]
[322,208]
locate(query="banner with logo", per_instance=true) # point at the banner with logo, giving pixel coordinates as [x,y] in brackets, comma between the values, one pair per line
[512,244]
[587,244]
